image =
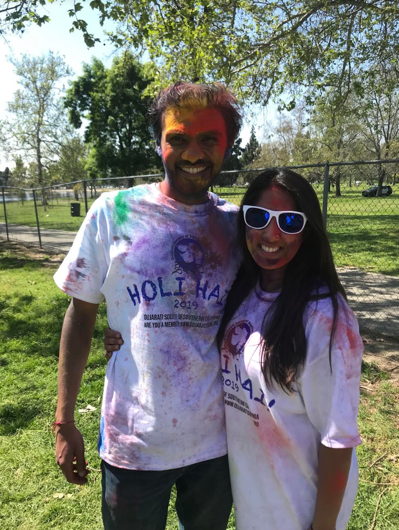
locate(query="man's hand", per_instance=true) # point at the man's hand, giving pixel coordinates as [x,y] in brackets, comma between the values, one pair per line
[112,342]
[70,454]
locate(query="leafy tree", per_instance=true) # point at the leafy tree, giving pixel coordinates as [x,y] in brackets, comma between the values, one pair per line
[291,142]
[231,163]
[377,110]
[19,173]
[37,121]
[112,102]
[337,132]
[250,156]
[259,48]
[5,176]
[71,164]
[16,15]
[251,150]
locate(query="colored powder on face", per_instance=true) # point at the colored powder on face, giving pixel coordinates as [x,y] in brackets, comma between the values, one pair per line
[121,211]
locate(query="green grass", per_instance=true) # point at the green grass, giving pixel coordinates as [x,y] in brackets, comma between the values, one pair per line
[364,232]
[56,215]
[31,313]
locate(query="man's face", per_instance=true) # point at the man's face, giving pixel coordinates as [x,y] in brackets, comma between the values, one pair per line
[193,144]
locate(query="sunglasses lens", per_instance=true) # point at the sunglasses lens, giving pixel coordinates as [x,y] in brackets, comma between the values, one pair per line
[256,217]
[290,222]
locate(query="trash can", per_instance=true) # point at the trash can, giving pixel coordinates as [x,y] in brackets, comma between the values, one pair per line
[75,209]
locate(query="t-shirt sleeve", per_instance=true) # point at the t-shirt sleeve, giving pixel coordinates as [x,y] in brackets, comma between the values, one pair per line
[331,396]
[83,271]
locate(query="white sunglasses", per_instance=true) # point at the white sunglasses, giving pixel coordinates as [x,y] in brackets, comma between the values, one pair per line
[289,222]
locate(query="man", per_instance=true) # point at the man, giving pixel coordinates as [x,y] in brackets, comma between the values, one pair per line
[163,257]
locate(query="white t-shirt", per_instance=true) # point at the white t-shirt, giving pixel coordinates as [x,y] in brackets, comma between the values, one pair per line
[164,269]
[273,437]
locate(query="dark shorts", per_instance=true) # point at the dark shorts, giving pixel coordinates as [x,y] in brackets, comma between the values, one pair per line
[139,500]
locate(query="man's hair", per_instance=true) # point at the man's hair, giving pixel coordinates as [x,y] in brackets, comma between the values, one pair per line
[184,95]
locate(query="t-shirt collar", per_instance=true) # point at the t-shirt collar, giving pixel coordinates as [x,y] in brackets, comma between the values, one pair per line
[264,295]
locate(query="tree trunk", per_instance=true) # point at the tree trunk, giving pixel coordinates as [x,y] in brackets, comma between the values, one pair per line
[40,171]
[338,183]
[381,177]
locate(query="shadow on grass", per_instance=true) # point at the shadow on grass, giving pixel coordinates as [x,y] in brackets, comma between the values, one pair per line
[14,417]
[35,327]
[373,372]
[13,262]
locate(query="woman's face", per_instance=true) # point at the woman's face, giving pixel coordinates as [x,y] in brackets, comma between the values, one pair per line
[271,248]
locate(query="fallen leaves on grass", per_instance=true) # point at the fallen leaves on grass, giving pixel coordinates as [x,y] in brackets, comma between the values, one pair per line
[89,408]
[62,495]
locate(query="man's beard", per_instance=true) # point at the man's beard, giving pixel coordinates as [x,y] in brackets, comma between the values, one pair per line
[189,186]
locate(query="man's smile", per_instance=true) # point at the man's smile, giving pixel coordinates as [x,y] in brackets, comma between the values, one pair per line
[192,170]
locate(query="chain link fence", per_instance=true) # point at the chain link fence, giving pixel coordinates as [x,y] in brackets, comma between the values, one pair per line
[363,228]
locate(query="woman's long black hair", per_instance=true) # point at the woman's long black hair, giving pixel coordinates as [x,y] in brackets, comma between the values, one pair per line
[310,275]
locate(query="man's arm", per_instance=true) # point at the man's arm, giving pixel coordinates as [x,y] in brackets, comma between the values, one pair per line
[76,336]
[334,465]
[112,342]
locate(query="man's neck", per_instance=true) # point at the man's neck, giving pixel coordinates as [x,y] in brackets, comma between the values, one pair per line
[170,192]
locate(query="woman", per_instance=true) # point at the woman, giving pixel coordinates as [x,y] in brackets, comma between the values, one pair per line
[291,359]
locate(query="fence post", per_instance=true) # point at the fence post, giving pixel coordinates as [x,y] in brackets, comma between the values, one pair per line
[85,192]
[37,219]
[5,212]
[325,192]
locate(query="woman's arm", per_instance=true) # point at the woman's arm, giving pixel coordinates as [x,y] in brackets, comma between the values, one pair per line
[334,465]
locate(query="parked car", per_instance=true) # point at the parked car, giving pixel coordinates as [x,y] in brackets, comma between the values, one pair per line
[372,192]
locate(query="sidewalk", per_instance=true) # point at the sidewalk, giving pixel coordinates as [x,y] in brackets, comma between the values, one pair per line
[51,239]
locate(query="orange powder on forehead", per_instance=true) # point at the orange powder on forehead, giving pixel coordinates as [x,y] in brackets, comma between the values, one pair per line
[193,121]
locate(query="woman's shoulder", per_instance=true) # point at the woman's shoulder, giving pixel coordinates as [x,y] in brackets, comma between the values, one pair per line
[321,302]
[320,327]
[319,315]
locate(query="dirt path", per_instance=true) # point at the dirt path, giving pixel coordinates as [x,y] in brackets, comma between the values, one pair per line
[56,240]
[375,300]
[383,352]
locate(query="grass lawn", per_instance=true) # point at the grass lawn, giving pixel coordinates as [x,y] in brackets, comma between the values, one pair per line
[364,232]
[33,493]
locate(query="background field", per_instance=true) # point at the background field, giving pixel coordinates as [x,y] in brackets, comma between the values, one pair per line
[364,232]
[34,495]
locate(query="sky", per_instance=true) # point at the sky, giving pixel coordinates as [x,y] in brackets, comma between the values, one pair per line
[55,36]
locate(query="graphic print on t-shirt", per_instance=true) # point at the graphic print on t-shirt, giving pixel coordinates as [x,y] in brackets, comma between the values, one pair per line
[186,285]
[188,254]
[234,343]
[237,336]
